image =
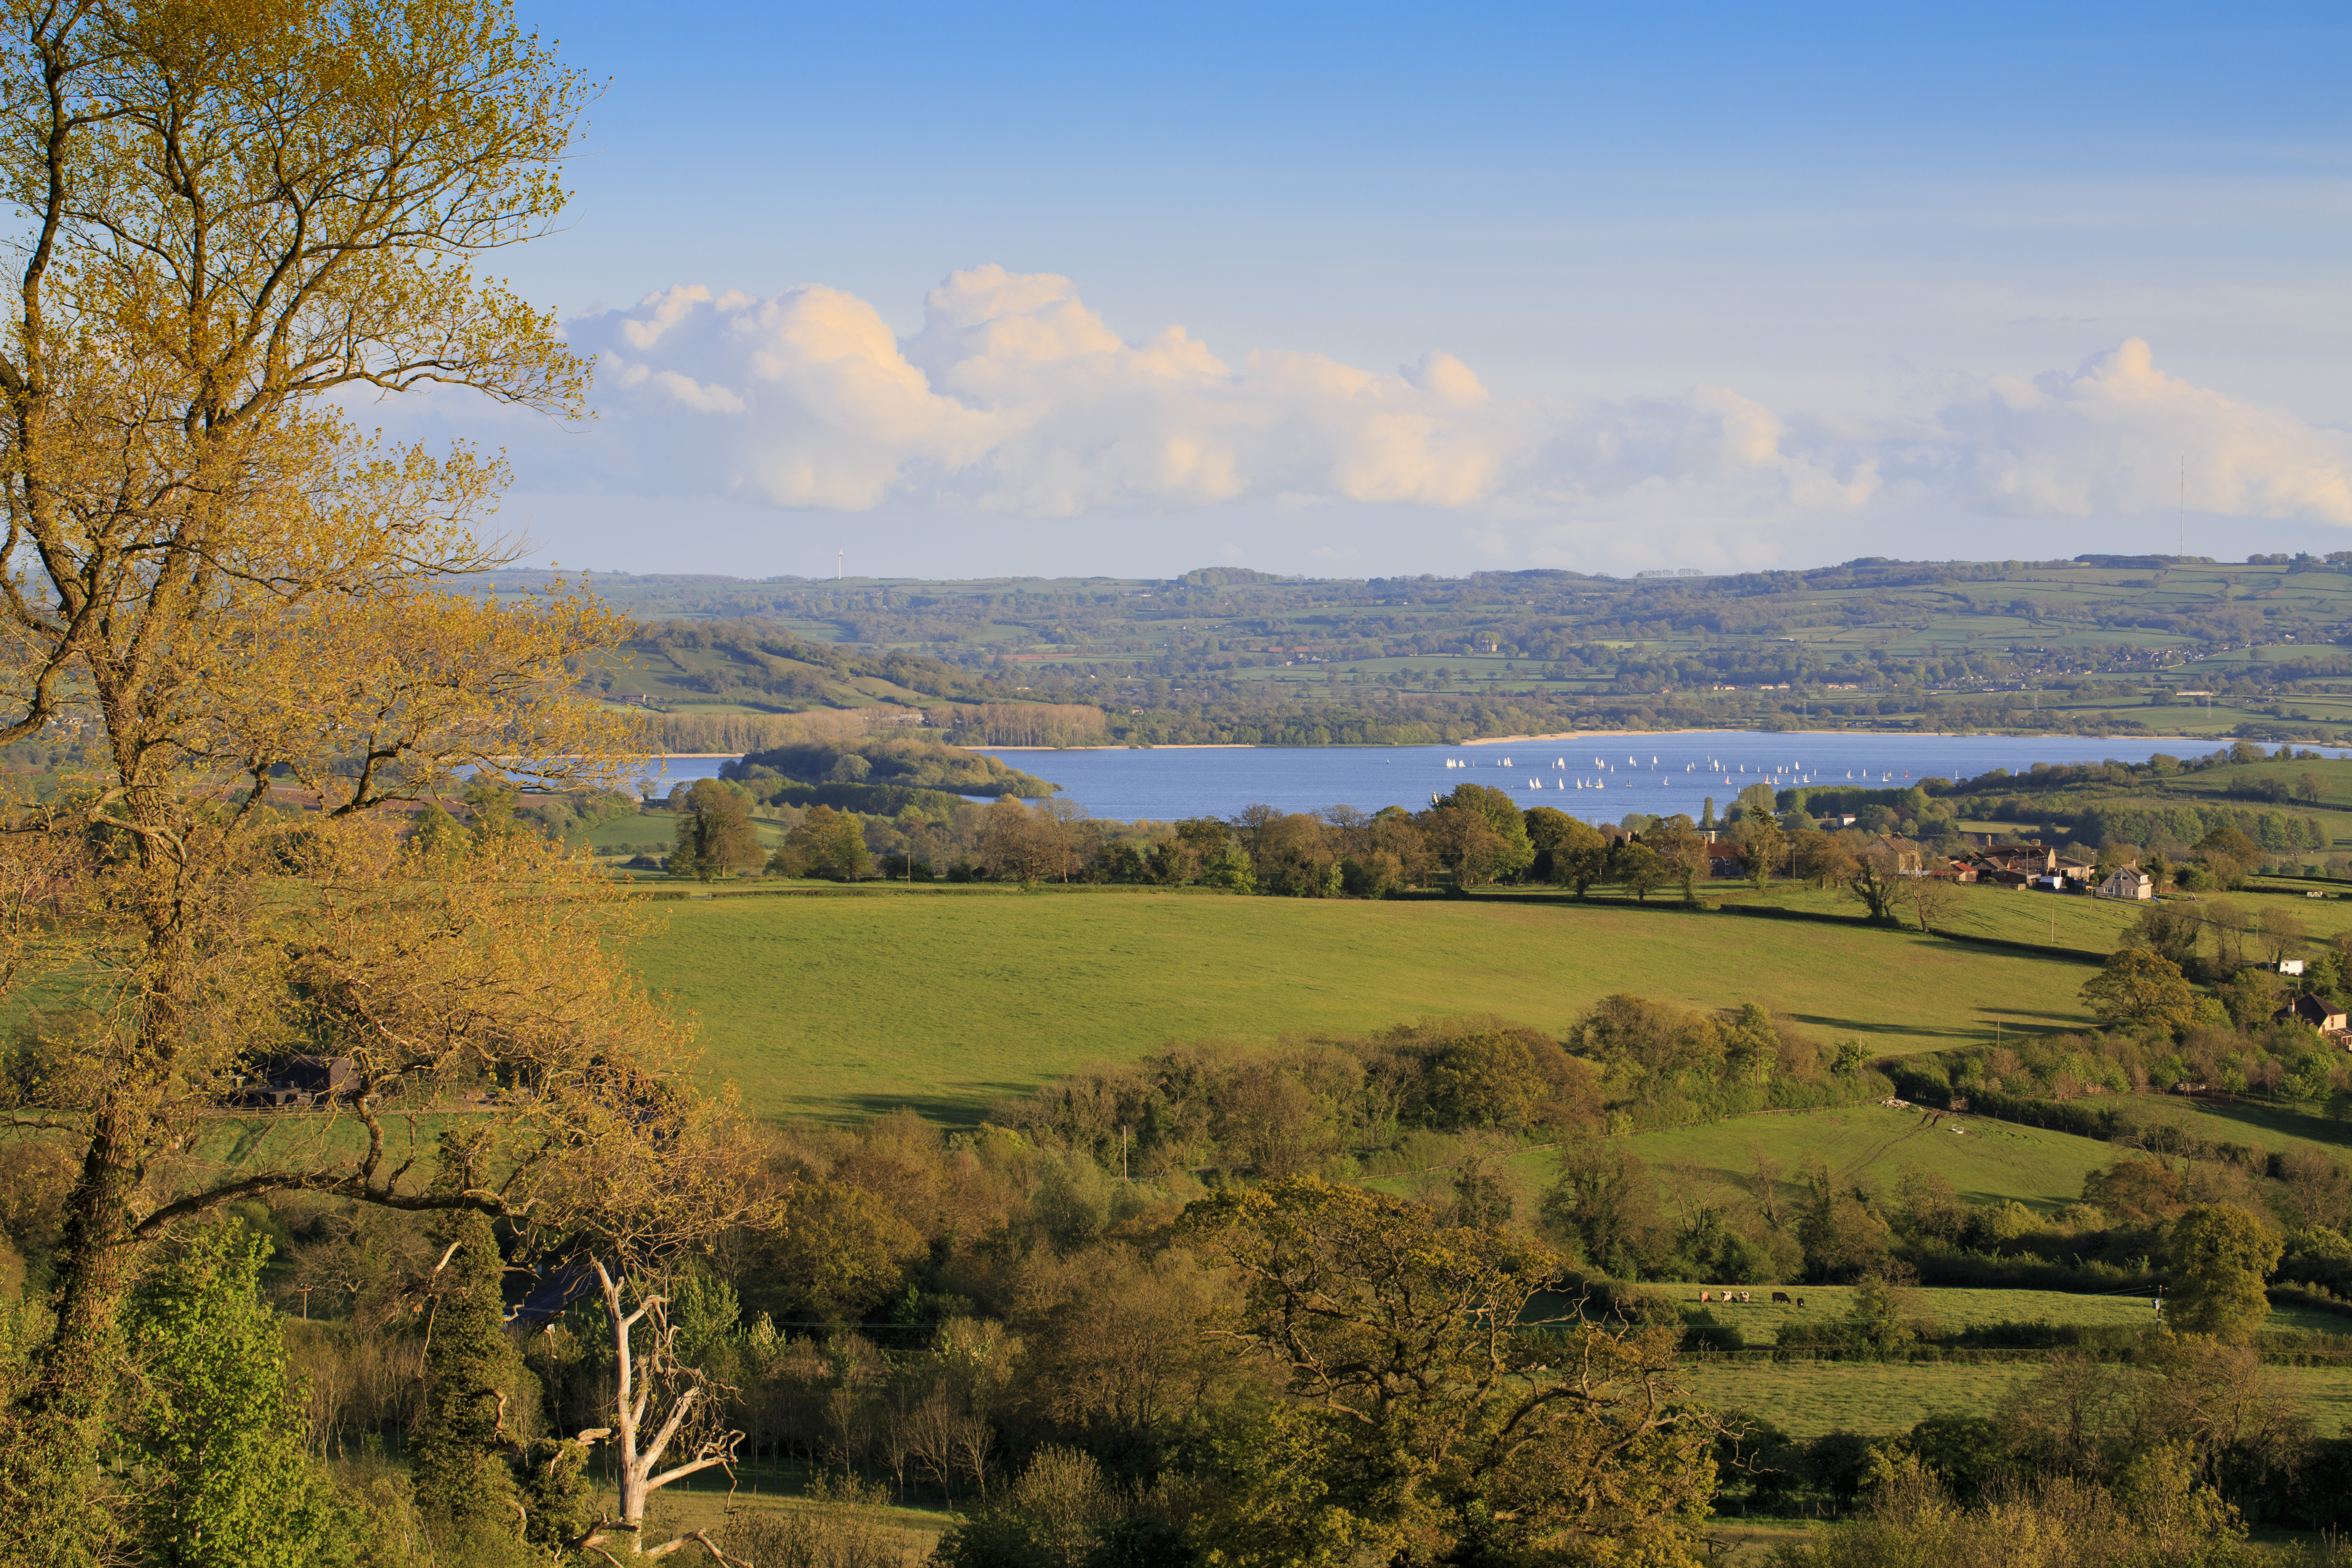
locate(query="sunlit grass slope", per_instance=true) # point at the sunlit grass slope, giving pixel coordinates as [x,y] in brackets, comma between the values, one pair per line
[1762,1322]
[947,1001]
[1806,1399]
[1870,1145]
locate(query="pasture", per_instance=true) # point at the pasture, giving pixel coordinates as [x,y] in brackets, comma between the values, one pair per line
[1869,1145]
[2066,923]
[1951,1309]
[839,1002]
[1806,1399]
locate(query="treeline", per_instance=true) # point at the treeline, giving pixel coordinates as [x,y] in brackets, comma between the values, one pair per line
[1026,724]
[1344,1106]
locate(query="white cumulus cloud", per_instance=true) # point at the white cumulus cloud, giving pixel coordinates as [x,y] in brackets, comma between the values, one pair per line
[1014,397]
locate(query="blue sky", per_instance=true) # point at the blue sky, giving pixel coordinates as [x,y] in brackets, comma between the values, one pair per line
[1458,288]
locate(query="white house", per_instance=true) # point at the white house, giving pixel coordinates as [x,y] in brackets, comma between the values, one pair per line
[2128,882]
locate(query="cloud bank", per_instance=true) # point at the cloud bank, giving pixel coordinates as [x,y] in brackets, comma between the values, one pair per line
[1016,398]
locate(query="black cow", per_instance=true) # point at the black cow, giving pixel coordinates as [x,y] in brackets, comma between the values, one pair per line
[1780,1298]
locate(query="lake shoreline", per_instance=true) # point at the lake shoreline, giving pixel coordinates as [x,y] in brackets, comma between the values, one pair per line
[2219,744]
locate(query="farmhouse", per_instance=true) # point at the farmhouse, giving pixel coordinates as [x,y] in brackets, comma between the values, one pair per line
[2013,865]
[1904,854]
[2127,882]
[300,1083]
[2311,1010]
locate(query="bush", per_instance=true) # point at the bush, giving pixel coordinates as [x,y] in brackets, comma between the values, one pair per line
[839,1523]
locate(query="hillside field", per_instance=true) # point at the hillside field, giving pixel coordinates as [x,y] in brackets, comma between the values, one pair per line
[1954,1309]
[1806,1398]
[1869,1144]
[840,1003]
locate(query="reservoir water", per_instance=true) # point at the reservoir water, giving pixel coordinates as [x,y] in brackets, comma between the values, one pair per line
[1599,778]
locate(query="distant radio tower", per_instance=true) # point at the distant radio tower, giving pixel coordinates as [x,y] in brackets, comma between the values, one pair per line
[2184,503]
[836,563]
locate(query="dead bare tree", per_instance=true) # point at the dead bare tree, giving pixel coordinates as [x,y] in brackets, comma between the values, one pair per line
[679,1406]
[1931,899]
[972,1438]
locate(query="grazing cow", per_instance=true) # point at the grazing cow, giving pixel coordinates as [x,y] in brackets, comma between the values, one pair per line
[1780,1298]
[1745,1297]
[1801,1303]
[1705,1296]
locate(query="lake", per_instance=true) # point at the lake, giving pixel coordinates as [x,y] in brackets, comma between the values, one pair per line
[1593,777]
[1598,778]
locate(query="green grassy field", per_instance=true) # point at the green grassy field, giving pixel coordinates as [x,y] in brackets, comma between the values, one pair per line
[657,832]
[1954,1309]
[1870,1144]
[947,1000]
[1806,1399]
[2089,926]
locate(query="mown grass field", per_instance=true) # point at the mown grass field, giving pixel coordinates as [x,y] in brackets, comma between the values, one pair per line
[1806,1399]
[949,999]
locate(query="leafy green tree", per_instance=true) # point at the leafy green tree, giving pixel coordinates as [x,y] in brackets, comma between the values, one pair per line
[1581,858]
[1055,1516]
[1426,1420]
[827,843]
[1879,1317]
[1639,868]
[715,836]
[1751,1043]
[2141,990]
[1875,883]
[1681,851]
[1464,843]
[1502,815]
[492,804]
[2251,996]
[2218,1257]
[437,837]
[1491,1078]
[2228,854]
[1763,842]
[221,1426]
[1229,866]
[1605,1205]
[1548,827]
[459,1457]
[2168,931]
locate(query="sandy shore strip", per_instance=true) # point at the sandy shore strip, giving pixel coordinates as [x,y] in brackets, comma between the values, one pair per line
[2223,743]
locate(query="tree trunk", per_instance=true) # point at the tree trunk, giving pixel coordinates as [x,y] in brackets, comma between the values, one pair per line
[646,1394]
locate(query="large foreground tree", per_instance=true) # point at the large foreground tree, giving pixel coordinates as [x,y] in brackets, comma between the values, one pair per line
[1432,1413]
[234,215]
